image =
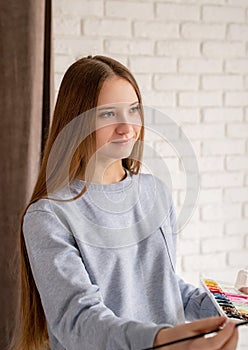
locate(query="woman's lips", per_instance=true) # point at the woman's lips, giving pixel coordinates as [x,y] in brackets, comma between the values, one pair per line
[123,141]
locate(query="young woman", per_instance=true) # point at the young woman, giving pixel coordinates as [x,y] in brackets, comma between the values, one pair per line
[98,236]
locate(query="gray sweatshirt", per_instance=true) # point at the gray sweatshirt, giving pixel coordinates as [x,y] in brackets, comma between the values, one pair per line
[104,265]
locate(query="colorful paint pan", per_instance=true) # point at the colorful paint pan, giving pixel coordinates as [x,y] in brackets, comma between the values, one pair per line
[228,301]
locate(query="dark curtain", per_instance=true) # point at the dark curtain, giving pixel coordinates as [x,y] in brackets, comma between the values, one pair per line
[25,100]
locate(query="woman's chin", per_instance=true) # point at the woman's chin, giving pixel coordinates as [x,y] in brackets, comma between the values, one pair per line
[116,151]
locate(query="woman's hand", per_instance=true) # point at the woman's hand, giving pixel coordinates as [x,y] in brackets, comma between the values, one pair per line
[226,339]
[244,290]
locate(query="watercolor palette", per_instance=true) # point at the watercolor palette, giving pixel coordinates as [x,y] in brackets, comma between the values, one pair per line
[229,301]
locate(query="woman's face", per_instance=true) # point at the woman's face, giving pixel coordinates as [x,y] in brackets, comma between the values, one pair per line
[118,120]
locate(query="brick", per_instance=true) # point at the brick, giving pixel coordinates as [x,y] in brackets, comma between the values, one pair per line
[122,59]
[236,195]
[246,210]
[210,196]
[222,115]
[155,137]
[201,131]
[171,163]
[188,247]
[246,82]
[238,32]
[203,31]
[223,49]
[237,163]
[135,9]
[62,63]
[190,277]
[179,265]
[156,99]
[163,132]
[156,29]
[221,14]
[144,81]
[238,258]
[195,99]
[191,182]
[166,150]
[152,65]
[175,82]
[221,180]
[236,65]
[236,99]
[57,80]
[154,166]
[178,48]
[188,214]
[198,1]
[183,115]
[236,227]
[202,229]
[178,182]
[210,164]
[237,130]
[220,244]
[246,180]
[176,12]
[107,27]
[129,47]
[227,274]
[238,2]
[205,196]
[60,48]
[223,147]
[160,117]
[66,26]
[78,8]
[222,82]
[205,262]
[148,153]
[200,65]
[78,46]
[221,212]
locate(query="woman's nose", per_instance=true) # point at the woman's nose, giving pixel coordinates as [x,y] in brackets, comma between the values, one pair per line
[124,127]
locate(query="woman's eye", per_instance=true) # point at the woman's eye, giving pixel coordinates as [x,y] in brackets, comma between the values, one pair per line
[107,115]
[135,109]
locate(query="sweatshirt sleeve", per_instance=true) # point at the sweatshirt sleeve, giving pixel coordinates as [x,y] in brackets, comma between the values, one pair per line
[73,306]
[196,302]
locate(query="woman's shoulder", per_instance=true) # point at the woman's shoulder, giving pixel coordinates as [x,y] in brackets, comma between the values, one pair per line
[42,205]
[151,180]
[51,201]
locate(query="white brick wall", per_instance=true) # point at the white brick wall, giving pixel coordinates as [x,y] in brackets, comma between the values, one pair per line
[190,58]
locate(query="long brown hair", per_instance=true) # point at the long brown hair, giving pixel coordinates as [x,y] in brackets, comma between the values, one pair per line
[78,94]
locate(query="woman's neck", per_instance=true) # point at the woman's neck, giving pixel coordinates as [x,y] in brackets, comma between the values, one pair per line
[108,174]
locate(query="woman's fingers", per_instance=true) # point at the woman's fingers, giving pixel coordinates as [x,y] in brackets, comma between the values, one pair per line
[233,340]
[226,339]
[206,324]
[167,335]
[244,290]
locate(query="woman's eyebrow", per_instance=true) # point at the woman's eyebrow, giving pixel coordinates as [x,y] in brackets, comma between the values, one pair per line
[134,103]
[106,107]
[113,107]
